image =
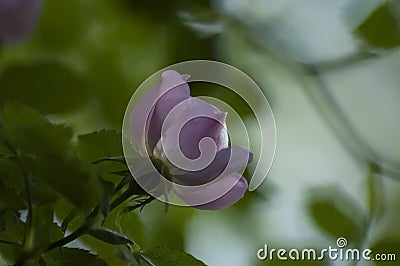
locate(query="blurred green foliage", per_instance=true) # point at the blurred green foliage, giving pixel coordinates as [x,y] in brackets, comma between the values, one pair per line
[381,28]
[70,256]
[49,87]
[329,204]
[62,99]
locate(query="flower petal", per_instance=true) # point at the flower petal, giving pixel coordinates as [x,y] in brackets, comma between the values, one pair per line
[154,106]
[195,132]
[173,89]
[231,188]
[197,129]
[226,162]
[142,112]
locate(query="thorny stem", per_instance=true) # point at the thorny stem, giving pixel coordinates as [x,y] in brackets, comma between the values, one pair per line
[124,196]
[85,226]
[89,220]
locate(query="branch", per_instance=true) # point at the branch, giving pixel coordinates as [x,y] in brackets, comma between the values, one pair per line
[7,242]
[6,156]
[124,196]
[327,107]
[345,61]
[69,238]
[333,116]
[86,225]
[342,127]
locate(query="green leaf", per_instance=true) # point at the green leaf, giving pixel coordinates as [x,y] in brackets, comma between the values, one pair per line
[337,214]
[71,257]
[131,226]
[137,202]
[333,221]
[116,159]
[9,199]
[356,11]
[11,175]
[4,151]
[54,33]
[28,131]
[73,214]
[49,87]
[125,173]
[105,200]
[72,179]
[117,255]
[164,256]
[171,231]
[103,146]
[100,144]
[43,230]
[381,28]
[109,236]
[42,193]
[12,230]
[11,227]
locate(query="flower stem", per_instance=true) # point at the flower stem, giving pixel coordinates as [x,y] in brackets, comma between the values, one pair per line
[69,238]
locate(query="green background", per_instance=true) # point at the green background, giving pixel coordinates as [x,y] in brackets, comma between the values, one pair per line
[330,70]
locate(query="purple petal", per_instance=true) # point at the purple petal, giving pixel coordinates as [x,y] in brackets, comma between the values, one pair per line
[197,129]
[231,188]
[150,111]
[173,90]
[193,146]
[226,162]
[140,115]
[17,19]
[195,133]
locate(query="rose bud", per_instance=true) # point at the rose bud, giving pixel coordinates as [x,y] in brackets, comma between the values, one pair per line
[187,141]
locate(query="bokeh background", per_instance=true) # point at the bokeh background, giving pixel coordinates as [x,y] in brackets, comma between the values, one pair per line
[330,70]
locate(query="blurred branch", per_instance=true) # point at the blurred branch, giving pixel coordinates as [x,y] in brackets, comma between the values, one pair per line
[345,61]
[6,156]
[9,242]
[342,127]
[325,104]
[388,171]
[333,115]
